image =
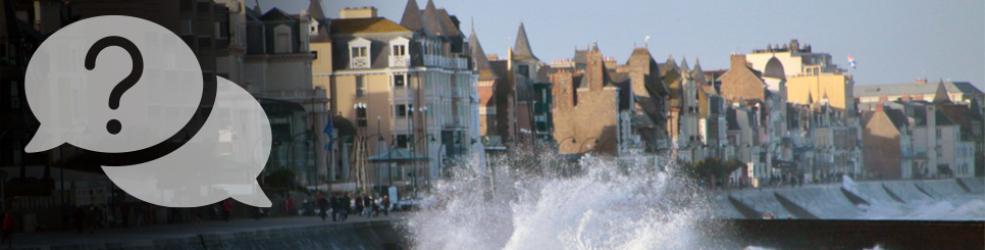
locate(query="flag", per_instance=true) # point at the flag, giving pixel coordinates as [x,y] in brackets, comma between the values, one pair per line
[329,130]
[851,61]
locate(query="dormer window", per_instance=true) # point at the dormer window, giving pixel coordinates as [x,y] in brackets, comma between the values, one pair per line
[398,52]
[359,54]
[282,39]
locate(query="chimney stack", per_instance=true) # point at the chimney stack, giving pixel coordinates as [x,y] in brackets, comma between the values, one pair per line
[357,12]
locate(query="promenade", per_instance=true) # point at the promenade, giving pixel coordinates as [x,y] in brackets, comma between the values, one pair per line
[151,233]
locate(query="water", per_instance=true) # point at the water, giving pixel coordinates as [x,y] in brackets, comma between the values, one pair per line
[538,202]
[541,201]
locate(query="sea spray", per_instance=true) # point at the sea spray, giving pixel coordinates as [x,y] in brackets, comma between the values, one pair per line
[529,200]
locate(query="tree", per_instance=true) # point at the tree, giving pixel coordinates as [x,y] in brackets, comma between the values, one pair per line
[713,170]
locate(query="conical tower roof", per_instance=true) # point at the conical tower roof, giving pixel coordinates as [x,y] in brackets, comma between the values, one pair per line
[430,20]
[521,49]
[315,10]
[479,57]
[412,16]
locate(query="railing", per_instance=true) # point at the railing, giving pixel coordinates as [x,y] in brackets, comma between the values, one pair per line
[399,61]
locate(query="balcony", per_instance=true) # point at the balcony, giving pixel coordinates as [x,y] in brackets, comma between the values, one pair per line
[399,61]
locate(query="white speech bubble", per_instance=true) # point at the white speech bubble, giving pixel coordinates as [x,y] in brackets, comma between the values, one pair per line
[72,102]
[70,95]
[222,160]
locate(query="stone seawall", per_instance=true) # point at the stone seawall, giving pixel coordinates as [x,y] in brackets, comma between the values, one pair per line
[860,200]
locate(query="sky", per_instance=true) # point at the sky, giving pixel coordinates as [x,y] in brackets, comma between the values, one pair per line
[893,41]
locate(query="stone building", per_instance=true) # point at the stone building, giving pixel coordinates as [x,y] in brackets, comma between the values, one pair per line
[917,139]
[591,106]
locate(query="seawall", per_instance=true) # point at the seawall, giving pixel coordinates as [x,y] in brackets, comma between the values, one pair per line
[865,200]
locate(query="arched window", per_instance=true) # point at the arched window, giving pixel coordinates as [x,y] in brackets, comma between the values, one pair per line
[282,39]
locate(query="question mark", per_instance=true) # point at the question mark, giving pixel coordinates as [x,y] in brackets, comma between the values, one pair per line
[114,126]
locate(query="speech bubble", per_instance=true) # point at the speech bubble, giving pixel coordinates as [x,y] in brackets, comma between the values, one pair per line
[222,160]
[76,73]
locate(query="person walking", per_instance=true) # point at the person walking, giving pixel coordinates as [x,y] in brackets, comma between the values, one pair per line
[289,206]
[386,205]
[323,206]
[360,205]
[8,230]
[345,205]
[227,209]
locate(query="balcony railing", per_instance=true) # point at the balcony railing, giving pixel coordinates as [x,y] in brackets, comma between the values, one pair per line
[399,61]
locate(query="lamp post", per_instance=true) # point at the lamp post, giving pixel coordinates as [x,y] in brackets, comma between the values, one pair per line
[423,110]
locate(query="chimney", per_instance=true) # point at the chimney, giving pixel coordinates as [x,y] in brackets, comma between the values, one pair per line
[738,60]
[882,102]
[357,12]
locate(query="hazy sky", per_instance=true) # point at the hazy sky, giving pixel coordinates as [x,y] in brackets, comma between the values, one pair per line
[891,40]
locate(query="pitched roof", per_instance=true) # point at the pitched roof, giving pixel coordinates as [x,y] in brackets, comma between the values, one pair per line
[365,25]
[941,95]
[447,25]
[914,88]
[315,10]
[896,116]
[521,49]
[480,59]
[430,21]
[412,16]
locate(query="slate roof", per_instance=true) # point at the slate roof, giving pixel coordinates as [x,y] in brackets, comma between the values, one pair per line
[315,10]
[412,16]
[480,59]
[914,88]
[521,48]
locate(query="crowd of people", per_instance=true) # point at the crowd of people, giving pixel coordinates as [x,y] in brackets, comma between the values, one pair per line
[340,206]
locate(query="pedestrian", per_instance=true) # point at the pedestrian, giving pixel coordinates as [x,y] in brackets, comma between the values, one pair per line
[376,206]
[386,205]
[334,206]
[345,205]
[323,206]
[289,205]
[227,209]
[360,205]
[368,200]
[8,229]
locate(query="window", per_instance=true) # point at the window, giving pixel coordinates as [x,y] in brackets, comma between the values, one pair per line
[361,116]
[524,71]
[359,53]
[405,110]
[360,87]
[399,50]
[282,39]
[399,80]
[403,141]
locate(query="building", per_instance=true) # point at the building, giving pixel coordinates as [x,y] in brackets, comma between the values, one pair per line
[514,93]
[958,92]
[276,63]
[916,139]
[649,99]
[810,76]
[409,88]
[591,106]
